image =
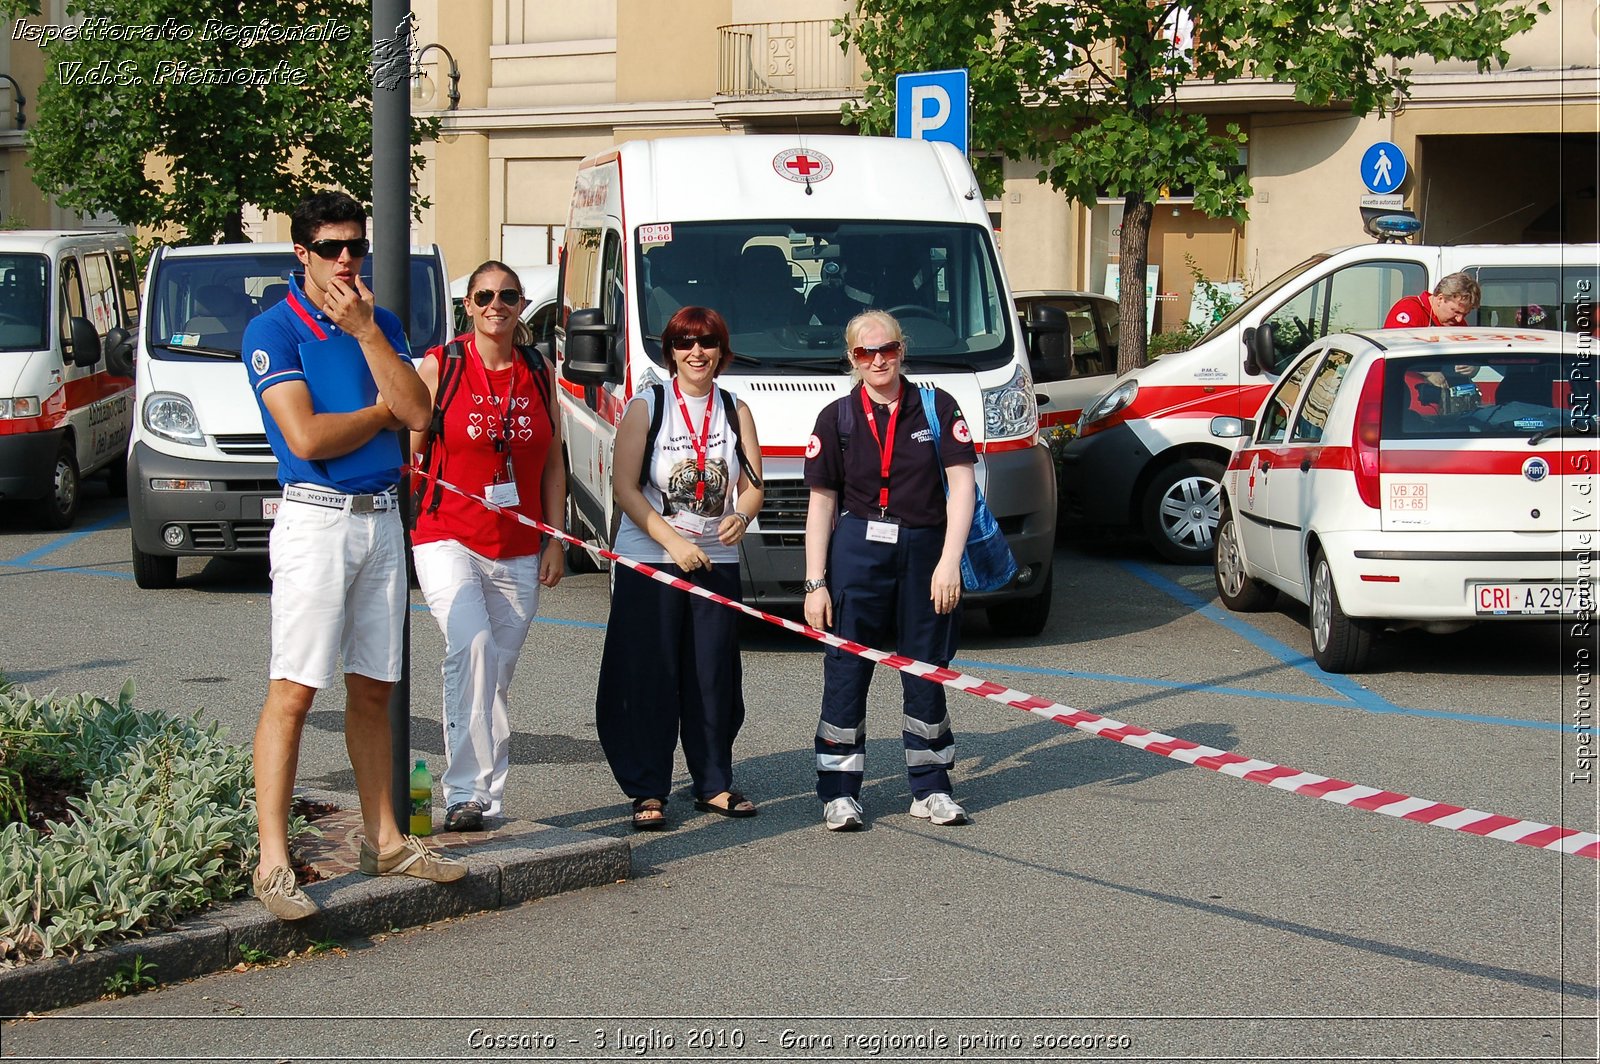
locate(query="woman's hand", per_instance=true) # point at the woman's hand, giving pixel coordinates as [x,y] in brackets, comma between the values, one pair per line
[686,555]
[819,608]
[732,529]
[552,563]
[946,591]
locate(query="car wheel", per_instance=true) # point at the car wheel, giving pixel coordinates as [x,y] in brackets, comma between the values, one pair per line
[1237,589]
[154,572]
[59,508]
[1339,643]
[1025,618]
[578,559]
[1181,510]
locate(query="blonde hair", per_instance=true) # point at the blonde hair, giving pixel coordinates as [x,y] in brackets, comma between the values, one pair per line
[859,324]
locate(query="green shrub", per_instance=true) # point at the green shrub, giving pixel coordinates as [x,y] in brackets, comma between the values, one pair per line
[165,824]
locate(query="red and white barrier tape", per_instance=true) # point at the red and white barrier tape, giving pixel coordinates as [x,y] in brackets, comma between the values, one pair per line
[1308,784]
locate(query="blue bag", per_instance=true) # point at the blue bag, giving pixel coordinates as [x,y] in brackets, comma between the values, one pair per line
[987,563]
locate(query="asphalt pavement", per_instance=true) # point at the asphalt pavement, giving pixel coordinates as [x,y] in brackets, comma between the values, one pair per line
[1105,903]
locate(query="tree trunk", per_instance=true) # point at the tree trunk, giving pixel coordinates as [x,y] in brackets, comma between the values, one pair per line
[1134,249]
[233,227]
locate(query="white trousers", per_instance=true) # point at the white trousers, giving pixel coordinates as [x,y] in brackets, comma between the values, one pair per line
[483,606]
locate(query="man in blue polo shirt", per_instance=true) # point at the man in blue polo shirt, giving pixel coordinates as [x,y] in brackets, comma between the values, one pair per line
[337,546]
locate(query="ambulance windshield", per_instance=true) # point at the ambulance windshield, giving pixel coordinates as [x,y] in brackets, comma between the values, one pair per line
[24,303]
[787,289]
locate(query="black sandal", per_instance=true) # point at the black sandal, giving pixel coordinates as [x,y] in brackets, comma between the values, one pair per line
[735,800]
[643,806]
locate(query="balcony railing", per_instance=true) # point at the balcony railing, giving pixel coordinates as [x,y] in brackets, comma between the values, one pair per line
[763,58]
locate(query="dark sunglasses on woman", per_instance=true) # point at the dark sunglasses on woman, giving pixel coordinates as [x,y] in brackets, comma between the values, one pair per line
[686,343]
[330,249]
[889,351]
[509,296]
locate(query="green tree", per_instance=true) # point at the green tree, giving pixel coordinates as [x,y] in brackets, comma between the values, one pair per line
[168,114]
[1090,90]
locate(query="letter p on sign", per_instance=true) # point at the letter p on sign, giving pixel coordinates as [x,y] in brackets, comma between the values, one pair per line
[932,106]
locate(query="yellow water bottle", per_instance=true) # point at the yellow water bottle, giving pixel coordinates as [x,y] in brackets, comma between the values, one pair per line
[421,799]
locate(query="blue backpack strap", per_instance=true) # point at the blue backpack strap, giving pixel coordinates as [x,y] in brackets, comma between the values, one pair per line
[930,410]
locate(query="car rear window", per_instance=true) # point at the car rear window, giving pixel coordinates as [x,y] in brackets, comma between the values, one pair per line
[1467,396]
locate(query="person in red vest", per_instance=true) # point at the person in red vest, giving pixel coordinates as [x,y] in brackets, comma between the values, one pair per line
[1454,297]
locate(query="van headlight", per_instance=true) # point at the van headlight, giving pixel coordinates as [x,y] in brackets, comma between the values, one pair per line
[21,406]
[172,417]
[1116,399]
[1010,410]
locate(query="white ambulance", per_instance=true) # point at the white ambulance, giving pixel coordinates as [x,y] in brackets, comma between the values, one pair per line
[69,303]
[1144,456]
[1425,478]
[788,237]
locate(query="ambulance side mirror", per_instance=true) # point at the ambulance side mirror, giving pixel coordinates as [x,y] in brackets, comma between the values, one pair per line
[590,353]
[83,342]
[119,352]
[1261,352]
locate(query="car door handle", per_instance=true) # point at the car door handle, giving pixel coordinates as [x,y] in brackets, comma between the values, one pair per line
[1266,464]
[1305,465]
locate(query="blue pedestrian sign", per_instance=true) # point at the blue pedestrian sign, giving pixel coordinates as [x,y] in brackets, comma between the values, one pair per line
[1383,168]
[932,106]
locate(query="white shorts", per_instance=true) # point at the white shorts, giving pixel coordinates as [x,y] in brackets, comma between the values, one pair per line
[338,588]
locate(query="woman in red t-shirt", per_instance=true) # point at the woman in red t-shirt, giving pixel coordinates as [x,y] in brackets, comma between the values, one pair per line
[481,572]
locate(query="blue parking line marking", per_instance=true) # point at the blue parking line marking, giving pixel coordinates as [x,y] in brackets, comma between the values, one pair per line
[68,539]
[1356,695]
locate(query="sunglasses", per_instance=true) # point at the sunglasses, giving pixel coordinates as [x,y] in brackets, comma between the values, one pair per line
[686,343]
[509,296]
[890,351]
[329,249]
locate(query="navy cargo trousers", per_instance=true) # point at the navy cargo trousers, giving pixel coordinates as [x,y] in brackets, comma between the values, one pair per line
[881,597]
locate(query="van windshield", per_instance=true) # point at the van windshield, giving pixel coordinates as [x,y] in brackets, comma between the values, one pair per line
[1504,394]
[198,306]
[1256,299]
[24,302]
[787,288]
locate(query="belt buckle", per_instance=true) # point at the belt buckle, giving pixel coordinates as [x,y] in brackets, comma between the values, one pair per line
[361,504]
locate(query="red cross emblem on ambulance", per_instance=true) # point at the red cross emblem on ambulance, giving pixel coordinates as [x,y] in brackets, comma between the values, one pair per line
[801,165]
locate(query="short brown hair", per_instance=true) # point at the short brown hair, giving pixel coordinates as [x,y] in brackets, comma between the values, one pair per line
[1459,286]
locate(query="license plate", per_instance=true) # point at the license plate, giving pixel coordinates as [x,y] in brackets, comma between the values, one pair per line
[269,508]
[1531,600]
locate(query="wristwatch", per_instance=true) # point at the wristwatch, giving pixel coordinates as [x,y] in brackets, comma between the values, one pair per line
[813,585]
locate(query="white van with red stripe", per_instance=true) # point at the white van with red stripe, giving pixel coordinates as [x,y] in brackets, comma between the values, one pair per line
[787,237]
[1144,456]
[1417,477]
[69,302]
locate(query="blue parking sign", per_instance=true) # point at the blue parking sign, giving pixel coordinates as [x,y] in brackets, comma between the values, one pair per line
[932,106]
[1383,168]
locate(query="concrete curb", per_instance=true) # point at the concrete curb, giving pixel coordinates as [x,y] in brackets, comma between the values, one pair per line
[536,863]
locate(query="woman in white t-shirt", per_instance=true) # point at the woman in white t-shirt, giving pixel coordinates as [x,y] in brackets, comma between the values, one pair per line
[671,661]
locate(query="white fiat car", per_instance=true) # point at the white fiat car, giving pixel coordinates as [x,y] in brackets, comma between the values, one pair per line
[1417,478]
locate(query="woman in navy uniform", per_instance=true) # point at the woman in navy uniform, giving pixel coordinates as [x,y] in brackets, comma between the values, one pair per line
[883,565]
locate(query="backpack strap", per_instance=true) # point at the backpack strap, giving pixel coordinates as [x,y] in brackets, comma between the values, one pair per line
[450,372]
[730,406]
[930,410]
[542,372]
[657,402]
[844,422]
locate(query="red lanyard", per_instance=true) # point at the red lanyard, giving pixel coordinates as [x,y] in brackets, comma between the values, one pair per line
[700,445]
[503,441]
[885,450]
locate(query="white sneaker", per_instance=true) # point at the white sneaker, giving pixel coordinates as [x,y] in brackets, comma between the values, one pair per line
[939,808]
[842,814]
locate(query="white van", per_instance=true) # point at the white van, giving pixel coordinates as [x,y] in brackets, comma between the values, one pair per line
[1145,456]
[202,479]
[788,237]
[69,302]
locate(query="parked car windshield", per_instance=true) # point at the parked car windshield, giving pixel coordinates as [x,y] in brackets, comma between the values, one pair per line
[199,305]
[24,302]
[1516,393]
[787,288]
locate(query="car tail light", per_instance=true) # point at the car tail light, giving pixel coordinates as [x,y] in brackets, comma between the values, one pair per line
[1369,431]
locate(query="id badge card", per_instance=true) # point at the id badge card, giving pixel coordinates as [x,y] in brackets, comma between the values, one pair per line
[692,525]
[503,494]
[883,530]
